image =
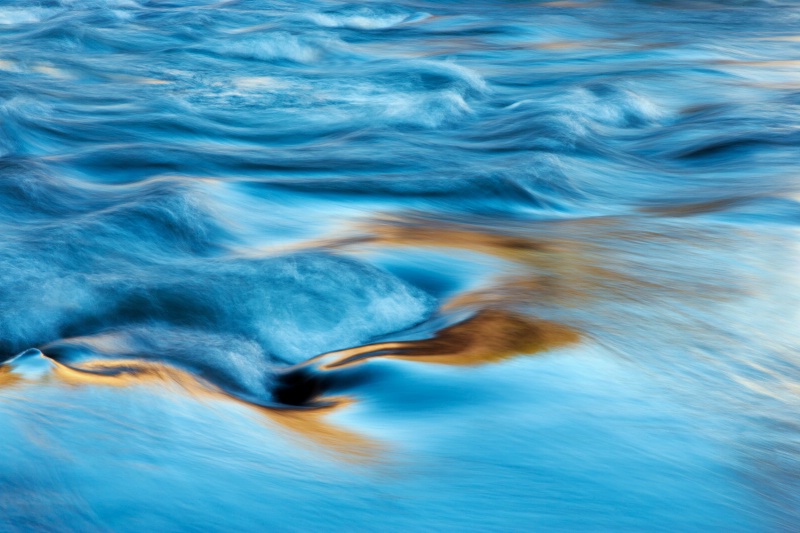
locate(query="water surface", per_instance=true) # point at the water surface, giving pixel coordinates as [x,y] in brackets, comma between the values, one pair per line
[497,266]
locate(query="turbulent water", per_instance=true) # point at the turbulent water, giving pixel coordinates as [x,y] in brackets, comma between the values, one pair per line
[472,266]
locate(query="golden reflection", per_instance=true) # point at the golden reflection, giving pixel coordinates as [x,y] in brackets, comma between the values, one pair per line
[312,425]
[418,231]
[488,336]
[128,372]
[554,262]
[571,271]
[309,423]
[8,378]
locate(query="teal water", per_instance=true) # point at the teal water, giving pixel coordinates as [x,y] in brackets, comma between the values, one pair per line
[438,266]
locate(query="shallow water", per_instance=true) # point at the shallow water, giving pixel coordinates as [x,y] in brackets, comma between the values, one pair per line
[399,266]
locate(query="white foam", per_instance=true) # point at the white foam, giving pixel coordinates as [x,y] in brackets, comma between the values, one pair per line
[428,110]
[12,16]
[357,22]
[276,46]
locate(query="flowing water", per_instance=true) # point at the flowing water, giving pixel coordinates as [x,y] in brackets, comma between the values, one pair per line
[423,265]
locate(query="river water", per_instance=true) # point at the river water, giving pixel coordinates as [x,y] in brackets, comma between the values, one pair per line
[432,266]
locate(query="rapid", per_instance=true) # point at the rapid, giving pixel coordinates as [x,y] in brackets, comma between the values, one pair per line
[400,266]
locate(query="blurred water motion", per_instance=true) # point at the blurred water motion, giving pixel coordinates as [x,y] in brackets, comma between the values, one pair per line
[503,266]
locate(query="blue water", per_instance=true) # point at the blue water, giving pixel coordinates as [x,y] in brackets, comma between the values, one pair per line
[429,266]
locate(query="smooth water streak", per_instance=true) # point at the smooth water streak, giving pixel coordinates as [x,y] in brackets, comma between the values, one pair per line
[497,265]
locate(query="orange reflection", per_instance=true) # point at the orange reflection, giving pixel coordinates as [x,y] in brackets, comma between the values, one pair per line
[418,231]
[564,262]
[128,372]
[309,423]
[312,426]
[8,378]
[561,263]
[488,336]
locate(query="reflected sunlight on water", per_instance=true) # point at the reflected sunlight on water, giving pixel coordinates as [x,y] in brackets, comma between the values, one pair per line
[234,231]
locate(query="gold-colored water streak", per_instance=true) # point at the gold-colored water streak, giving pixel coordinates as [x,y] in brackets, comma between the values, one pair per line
[488,336]
[308,425]
[563,263]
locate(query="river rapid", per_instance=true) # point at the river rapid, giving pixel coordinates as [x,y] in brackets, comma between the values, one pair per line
[411,266]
